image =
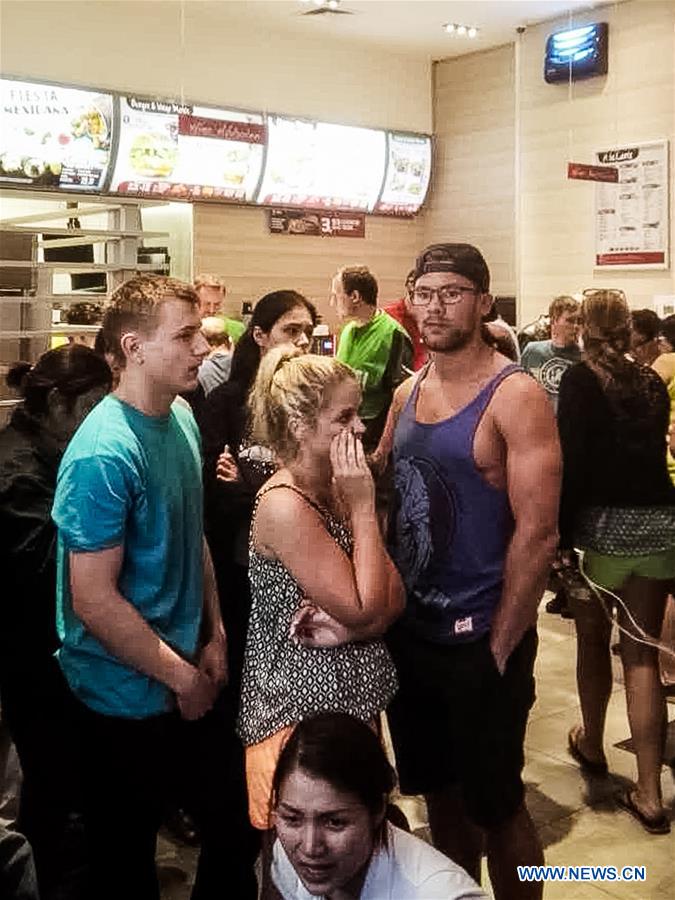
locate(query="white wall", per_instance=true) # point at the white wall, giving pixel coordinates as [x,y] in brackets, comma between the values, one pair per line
[634,102]
[500,130]
[473,188]
[139,46]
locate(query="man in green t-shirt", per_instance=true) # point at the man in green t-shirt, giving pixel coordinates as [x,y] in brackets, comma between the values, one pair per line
[372,343]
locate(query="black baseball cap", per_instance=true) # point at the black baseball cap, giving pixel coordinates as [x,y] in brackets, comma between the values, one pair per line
[464,259]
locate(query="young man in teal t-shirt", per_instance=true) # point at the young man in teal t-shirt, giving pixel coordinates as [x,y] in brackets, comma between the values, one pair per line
[143,645]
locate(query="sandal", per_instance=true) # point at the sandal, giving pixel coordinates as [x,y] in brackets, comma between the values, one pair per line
[586,764]
[658,825]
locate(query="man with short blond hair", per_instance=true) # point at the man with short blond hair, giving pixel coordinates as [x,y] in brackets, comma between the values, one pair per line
[548,360]
[211,290]
[143,645]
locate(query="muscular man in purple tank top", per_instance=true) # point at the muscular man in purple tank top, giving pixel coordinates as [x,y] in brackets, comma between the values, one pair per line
[474,531]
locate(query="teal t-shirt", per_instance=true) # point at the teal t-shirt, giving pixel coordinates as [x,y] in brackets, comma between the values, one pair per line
[548,363]
[133,480]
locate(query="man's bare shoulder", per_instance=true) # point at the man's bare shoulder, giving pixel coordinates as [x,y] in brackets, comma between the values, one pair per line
[520,401]
[403,391]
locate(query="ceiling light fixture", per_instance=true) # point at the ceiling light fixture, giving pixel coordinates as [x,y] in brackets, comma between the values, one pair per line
[461,30]
[333,4]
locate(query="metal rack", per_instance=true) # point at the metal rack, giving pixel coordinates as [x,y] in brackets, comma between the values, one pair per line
[26,316]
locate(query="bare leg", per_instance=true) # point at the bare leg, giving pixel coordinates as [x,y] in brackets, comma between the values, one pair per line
[594,675]
[515,843]
[645,699]
[452,832]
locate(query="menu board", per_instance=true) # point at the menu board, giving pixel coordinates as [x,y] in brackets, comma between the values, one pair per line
[631,216]
[315,165]
[187,152]
[54,137]
[408,174]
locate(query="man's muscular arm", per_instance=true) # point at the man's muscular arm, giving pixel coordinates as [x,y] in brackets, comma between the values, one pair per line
[525,420]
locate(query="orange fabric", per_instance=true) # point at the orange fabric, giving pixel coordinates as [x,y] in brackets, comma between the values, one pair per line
[261,761]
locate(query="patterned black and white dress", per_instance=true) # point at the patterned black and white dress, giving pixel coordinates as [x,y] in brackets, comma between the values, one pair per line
[283,682]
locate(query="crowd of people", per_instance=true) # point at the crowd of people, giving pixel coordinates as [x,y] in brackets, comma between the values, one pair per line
[227,558]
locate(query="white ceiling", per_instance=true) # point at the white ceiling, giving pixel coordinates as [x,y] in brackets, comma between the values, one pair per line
[404,26]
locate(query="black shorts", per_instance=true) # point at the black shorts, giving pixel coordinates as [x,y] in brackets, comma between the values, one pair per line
[456,721]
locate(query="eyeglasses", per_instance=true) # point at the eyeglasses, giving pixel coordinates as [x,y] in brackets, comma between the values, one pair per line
[447,293]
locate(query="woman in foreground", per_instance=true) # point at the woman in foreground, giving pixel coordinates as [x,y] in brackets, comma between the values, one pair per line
[330,794]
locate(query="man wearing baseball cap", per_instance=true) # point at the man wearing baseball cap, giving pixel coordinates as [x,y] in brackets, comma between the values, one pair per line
[477,472]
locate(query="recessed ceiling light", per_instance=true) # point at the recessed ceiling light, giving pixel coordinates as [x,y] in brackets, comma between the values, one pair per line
[461,30]
[333,4]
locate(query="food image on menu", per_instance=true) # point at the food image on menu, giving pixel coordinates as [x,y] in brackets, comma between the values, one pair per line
[153,155]
[237,164]
[92,124]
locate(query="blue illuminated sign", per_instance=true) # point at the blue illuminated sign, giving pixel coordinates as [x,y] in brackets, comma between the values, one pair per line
[576,53]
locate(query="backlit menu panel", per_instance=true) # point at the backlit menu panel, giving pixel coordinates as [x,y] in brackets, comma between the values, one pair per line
[185,152]
[321,166]
[54,137]
[408,174]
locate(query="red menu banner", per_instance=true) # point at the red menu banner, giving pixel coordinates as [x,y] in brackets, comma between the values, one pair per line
[584,172]
[302,221]
[200,126]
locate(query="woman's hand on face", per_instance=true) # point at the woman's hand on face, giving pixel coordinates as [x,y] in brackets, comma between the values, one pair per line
[226,467]
[312,627]
[351,474]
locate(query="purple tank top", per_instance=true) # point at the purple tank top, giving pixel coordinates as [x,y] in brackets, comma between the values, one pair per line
[451,529]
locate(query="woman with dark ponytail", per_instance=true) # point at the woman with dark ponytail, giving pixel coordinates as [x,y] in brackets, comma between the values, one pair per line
[58,392]
[234,469]
[618,507]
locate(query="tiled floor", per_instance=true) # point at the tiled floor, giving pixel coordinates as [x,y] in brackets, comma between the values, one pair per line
[577,818]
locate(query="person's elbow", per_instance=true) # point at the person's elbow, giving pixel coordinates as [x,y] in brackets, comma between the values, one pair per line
[84,605]
[540,536]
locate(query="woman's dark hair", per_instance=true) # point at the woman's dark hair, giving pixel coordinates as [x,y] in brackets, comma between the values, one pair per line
[343,751]
[267,312]
[646,323]
[72,370]
[631,389]
[16,375]
[668,330]
[607,331]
